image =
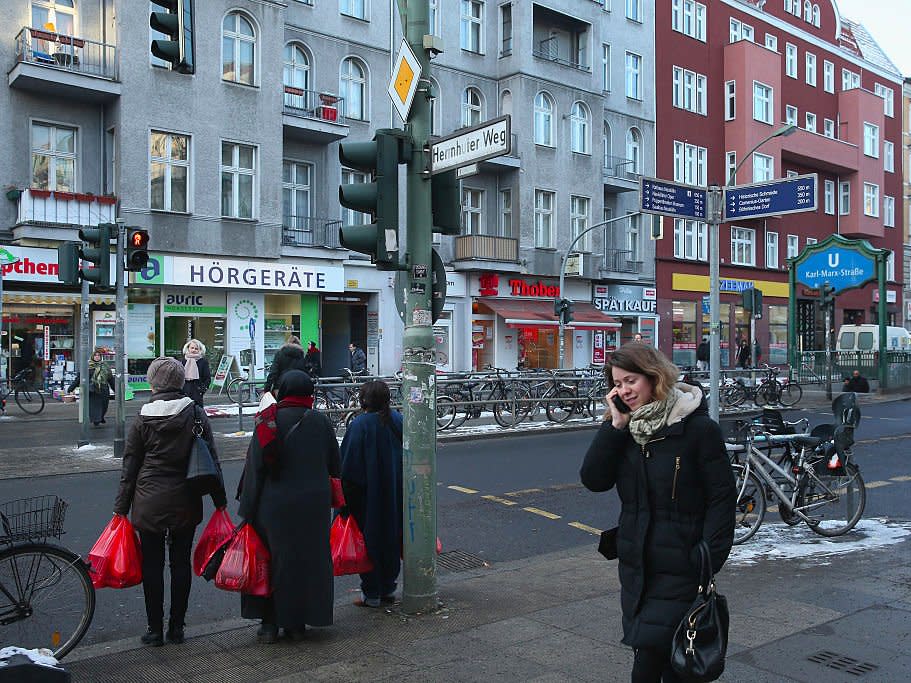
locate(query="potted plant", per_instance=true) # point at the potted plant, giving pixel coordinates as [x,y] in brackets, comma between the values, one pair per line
[12,192]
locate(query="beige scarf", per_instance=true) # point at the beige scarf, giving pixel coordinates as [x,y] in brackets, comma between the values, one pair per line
[648,419]
[190,369]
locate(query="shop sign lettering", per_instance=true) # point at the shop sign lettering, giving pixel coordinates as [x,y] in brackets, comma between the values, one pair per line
[625,299]
[255,275]
[522,288]
[612,305]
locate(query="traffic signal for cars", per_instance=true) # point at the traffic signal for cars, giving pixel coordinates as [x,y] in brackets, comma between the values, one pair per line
[563,309]
[826,295]
[96,251]
[137,253]
[68,262]
[446,203]
[177,24]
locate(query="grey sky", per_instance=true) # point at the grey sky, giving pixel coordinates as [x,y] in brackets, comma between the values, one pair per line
[887,21]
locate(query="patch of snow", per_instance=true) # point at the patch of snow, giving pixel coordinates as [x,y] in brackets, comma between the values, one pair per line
[237,435]
[87,447]
[41,656]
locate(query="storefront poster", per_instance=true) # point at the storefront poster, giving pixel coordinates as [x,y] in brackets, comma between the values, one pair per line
[242,308]
[221,372]
[140,327]
[598,353]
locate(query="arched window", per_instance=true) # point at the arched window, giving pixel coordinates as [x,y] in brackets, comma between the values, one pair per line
[544,119]
[807,10]
[238,49]
[57,16]
[506,103]
[816,16]
[353,88]
[472,107]
[608,162]
[634,150]
[296,77]
[578,118]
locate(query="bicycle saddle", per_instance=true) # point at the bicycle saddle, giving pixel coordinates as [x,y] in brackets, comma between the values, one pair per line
[807,441]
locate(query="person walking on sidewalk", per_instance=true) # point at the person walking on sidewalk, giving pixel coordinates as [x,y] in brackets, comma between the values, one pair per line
[743,355]
[702,355]
[101,383]
[357,359]
[285,492]
[312,360]
[667,460]
[289,357]
[165,507]
[372,484]
[196,370]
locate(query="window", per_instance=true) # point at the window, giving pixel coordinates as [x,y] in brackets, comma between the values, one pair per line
[606,133]
[544,217]
[579,211]
[353,8]
[789,6]
[690,239]
[791,174]
[578,119]
[811,69]
[811,240]
[743,246]
[506,30]
[605,66]
[471,34]
[844,199]
[56,16]
[790,60]
[730,100]
[763,167]
[472,107]
[634,150]
[433,9]
[296,76]
[816,20]
[690,163]
[811,122]
[472,211]
[888,211]
[544,119]
[871,200]
[828,128]
[828,76]
[349,216]
[849,80]
[890,266]
[689,91]
[730,165]
[888,99]
[871,140]
[506,213]
[888,156]
[296,183]
[790,114]
[762,102]
[829,195]
[352,87]
[169,171]
[238,49]
[771,42]
[771,250]
[238,176]
[740,31]
[807,11]
[53,157]
[633,76]
[634,10]
[793,246]
[633,236]
[688,17]
[435,107]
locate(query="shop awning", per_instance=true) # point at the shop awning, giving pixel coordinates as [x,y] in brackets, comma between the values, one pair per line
[54,299]
[541,314]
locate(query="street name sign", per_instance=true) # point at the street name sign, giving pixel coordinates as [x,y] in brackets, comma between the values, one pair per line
[405,77]
[842,267]
[471,145]
[772,198]
[672,199]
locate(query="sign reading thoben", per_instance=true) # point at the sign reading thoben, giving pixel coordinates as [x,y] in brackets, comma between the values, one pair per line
[469,146]
[773,198]
[672,199]
[843,263]
[404,83]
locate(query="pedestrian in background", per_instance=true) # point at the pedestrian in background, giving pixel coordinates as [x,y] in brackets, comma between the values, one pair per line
[357,359]
[165,507]
[857,383]
[372,484]
[667,460]
[290,459]
[743,354]
[289,357]
[196,370]
[101,383]
[757,353]
[312,360]
[702,355]
[637,337]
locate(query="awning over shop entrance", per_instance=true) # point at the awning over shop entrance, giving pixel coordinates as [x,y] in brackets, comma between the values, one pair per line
[49,299]
[541,314]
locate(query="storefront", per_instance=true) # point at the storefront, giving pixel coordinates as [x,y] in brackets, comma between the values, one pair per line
[634,306]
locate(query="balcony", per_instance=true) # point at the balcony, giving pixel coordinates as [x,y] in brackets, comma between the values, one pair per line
[507,162]
[619,176]
[549,49]
[561,39]
[65,67]
[47,214]
[485,248]
[820,152]
[307,231]
[620,261]
[312,116]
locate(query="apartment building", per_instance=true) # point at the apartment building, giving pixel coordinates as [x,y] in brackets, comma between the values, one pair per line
[234,171]
[729,73]
[906,198]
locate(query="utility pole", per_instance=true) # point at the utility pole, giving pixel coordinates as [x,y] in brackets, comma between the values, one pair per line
[827,302]
[84,340]
[715,212]
[120,361]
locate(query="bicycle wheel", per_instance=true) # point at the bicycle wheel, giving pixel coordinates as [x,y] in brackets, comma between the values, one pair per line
[751,505]
[834,500]
[560,406]
[234,388]
[733,395]
[791,393]
[766,394]
[46,597]
[446,412]
[508,411]
[30,400]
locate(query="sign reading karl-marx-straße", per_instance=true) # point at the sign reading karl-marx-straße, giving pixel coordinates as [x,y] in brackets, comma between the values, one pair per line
[471,145]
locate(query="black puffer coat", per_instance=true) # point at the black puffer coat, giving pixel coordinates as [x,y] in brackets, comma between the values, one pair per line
[674,491]
[288,357]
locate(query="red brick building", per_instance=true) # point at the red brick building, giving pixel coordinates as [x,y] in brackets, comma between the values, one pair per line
[730,73]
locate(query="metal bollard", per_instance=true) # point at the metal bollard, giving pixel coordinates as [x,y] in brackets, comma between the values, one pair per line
[240,410]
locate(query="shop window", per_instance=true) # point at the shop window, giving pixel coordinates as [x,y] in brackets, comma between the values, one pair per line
[778,335]
[684,333]
[282,320]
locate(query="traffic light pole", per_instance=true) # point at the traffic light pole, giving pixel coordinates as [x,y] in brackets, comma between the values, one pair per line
[84,340]
[715,211]
[419,591]
[120,362]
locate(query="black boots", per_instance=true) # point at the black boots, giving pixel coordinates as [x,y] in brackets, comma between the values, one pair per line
[267,634]
[153,637]
[175,633]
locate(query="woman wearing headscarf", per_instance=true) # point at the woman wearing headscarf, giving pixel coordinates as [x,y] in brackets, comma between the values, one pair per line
[101,380]
[196,369]
[285,492]
[372,484]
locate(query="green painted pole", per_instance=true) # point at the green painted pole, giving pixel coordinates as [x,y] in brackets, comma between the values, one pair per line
[792,320]
[881,312]
[419,590]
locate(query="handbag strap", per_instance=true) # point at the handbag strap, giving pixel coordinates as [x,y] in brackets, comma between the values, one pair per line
[706,578]
[197,422]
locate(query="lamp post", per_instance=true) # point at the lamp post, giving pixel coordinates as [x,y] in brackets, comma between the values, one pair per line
[716,214]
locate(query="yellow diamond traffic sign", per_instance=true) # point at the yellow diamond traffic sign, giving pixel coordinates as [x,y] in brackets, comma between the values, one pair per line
[403,80]
[405,77]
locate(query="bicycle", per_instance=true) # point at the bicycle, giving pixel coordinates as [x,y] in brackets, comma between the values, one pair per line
[558,399]
[239,387]
[29,399]
[767,392]
[46,595]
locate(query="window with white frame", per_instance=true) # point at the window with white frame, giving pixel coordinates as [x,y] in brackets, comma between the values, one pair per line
[771,250]
[844,198]
[505,213]
[849,79]
[790,114]
[811,240]
[740,31]
[889,156]
[688,18]
[828,128]
[605,66]
[743,246]
[544,219]
[579,212]
[471,26]
[433,10]
[607,144]
[506,29]
[730,100]
[238,179]
[633,235]
[634,75]
[790,60]
[634,150]
[807,11]
[472,211]
[544,119]
[56,16]
[810,69]
[53,157]
[350,216]
[238,49]
[789,6]
[791,174]
[888,211]
[353,88]
[763,167]
[578,120]
[871,140]
[888,98]
[634,10]
[297,182]
[169,171]
[296,76]
[828,76]
[353,8]
[771,42]
[816,16]
[811,122]
[690,239]
[829,197]
[793,246]
[689,90]
[763,104]
[730,165]
[871,200]
[690,163]
[472,107]
[890,266]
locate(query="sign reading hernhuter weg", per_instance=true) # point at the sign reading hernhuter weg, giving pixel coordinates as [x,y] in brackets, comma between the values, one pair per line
[469,146]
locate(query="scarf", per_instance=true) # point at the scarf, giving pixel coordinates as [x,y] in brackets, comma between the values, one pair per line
[99,372]
[190,369]
[648,419]
[265,427]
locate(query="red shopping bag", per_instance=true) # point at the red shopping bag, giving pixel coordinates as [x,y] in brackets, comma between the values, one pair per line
[338,498]
[349,552]
[115,561]
[219,529]
[246,566]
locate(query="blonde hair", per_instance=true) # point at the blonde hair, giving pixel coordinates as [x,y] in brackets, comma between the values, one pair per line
[645,359]
[202,347]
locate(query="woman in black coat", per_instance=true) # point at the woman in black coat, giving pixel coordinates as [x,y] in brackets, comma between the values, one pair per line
[196,370]
[101,379]
[289,357]
[667,459]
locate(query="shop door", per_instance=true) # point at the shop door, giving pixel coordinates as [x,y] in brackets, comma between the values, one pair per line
[483,342]
[342,324]
[178,330]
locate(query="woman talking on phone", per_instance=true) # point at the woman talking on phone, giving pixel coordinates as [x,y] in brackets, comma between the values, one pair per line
[666,457]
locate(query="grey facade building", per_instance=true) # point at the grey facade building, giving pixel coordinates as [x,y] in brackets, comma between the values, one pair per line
[234,171]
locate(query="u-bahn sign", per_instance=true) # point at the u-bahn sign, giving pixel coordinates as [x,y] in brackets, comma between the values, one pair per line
[843,263]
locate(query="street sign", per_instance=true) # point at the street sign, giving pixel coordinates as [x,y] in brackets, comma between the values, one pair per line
[405,77]
[467,171]
[672,199]
[472,145]
[842,267]
[772,198]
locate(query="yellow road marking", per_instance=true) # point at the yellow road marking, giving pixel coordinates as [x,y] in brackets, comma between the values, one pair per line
[585,527]
[495,499]
[522,492]
[461,489]
[543,513]
[901,478]
[877,484]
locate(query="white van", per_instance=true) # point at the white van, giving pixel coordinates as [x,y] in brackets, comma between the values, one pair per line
[866,338]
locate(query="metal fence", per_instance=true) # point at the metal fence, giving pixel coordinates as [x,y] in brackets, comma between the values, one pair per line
[307,231]
[812,369]
[60,51]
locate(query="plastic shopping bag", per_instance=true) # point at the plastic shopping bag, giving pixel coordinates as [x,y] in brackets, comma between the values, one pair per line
[349,551]
[246,566]
[338,498]
[219,529]
[115,561]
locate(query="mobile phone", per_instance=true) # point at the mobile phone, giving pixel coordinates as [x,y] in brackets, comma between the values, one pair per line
[621,406]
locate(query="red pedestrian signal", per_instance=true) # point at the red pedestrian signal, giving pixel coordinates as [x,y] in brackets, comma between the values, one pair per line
[137,255]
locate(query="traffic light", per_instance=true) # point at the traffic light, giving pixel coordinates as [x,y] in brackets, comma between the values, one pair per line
[96,250]
[68,262]
[826,295]
[563,309]
[446,202]
[379,198]
[137,254]
[177,24]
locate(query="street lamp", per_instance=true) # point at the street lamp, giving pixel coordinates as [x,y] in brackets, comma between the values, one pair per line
[715,217]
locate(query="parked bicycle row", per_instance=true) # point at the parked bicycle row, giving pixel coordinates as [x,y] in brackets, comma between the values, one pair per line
[761,385]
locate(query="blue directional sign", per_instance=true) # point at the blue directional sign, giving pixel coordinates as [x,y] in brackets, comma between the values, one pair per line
[772,198]
[842,267]
[672,199]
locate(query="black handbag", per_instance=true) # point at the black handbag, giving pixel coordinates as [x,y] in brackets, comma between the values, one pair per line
[203,473]
[701,640]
